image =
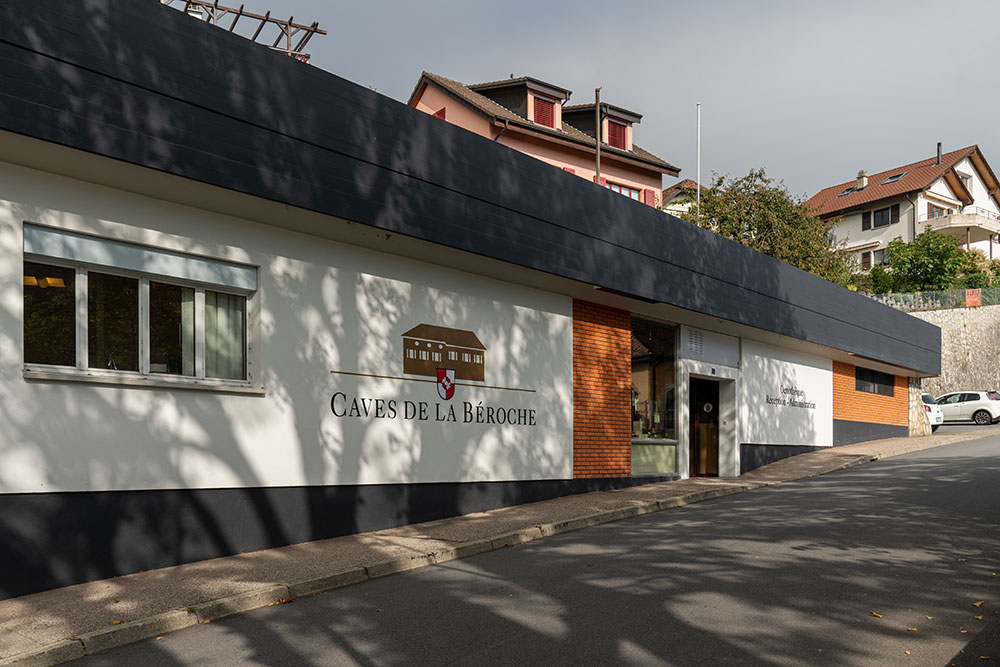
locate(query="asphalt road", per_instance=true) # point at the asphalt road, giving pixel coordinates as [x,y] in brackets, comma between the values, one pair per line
[881,564]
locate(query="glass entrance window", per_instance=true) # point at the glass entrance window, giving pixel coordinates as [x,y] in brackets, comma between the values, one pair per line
[654,365]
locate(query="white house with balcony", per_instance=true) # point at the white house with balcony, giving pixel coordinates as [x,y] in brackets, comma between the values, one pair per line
[956,193]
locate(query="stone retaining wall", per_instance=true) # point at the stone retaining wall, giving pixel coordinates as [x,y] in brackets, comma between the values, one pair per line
[970,349]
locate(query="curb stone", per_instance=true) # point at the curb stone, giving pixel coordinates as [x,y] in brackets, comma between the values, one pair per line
[100,640]
[235,604]
[52,654]
[327,582]
[133,631]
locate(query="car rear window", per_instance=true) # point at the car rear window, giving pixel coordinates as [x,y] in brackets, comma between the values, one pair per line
[928,399]
[994,395]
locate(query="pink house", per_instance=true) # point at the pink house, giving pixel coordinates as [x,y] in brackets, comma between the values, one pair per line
[531,116]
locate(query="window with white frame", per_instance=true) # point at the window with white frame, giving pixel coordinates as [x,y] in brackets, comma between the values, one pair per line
[631,193]
[107,307]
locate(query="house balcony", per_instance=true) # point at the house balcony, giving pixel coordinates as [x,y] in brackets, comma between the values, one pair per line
[972,225]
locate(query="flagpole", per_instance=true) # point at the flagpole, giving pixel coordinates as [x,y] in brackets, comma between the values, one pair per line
[697,188]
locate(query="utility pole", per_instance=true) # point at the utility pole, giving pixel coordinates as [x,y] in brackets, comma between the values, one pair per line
[597,131]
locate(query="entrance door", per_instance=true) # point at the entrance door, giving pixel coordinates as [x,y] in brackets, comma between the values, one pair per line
[704,411]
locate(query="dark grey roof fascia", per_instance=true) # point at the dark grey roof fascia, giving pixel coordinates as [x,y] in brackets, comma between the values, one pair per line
[146,84]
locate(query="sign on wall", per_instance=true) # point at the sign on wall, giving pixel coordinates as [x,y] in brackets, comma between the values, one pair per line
[447,355]
[452,386]
[787,397]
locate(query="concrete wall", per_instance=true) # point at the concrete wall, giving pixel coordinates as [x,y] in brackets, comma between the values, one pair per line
[970,353]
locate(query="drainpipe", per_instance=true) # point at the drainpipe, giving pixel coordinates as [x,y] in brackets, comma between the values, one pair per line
[506,124]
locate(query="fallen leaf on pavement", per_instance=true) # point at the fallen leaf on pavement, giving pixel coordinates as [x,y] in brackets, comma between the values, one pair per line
[159,638]
[930,618]
[911,629]
[906,652]
[964,631]
[115,622]
[876,614]
[979,604]
[978,618]
[961,560]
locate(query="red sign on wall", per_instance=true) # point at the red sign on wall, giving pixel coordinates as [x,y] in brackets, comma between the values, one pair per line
[973,297]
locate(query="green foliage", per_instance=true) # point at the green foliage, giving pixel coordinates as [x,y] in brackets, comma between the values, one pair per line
[880,280]
[933,261]
[760,213]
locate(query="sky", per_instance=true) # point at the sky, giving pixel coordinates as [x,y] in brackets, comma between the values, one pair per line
[810,91]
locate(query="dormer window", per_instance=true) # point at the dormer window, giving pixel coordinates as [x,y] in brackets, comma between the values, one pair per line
[616,134]
[545,112]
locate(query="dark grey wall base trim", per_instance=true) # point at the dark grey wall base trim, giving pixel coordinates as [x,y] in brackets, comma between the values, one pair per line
[848,432]
[59,539]
[754,456]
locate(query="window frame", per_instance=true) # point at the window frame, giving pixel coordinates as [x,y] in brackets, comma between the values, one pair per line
[620,190]
[871,381]
[81,371]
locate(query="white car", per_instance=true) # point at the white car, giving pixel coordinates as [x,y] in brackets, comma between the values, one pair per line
[982,407]
[932,411]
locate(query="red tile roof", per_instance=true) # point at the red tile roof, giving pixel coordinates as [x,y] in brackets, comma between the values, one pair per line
[687,185]
[493,111]
[918,176]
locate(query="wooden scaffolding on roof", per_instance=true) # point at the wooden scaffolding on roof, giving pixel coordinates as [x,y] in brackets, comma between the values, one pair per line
[212,12]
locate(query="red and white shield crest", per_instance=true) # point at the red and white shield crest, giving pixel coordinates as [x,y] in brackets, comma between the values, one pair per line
[446,383]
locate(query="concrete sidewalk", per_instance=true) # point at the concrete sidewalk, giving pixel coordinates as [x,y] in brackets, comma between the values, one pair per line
[67,623]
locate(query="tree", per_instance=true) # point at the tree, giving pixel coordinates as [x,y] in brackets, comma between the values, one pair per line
[759,212]
[933,261]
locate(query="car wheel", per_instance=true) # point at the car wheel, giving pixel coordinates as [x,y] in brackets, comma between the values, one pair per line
[982,417]
[934,427]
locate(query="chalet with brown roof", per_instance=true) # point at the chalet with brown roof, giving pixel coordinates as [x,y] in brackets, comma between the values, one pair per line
[956,193]
[531,116]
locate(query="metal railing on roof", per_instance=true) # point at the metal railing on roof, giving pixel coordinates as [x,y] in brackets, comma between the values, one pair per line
[910,302]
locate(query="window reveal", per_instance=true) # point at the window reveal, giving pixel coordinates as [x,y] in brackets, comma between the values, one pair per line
[873,382]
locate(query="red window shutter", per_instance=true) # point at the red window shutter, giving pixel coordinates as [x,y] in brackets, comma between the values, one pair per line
[572,171]
[866,260]
[894,213]
[866,221]
[616,135]
[440,113]
[649,197]
[545,112]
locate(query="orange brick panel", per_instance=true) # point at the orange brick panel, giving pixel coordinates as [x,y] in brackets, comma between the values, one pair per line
[860,406]
[602,372]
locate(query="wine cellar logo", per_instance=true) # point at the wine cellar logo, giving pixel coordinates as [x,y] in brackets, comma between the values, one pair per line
[444,354]
[450,358]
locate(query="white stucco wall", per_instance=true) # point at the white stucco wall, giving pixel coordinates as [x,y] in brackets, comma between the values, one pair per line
[322,307]
[786,397]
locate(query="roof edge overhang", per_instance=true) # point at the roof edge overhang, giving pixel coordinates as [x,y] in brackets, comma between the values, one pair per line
[606,151]
[529,82]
